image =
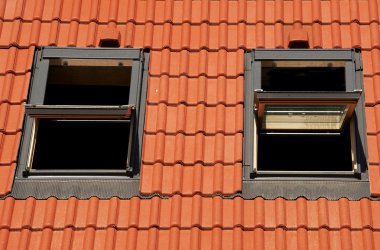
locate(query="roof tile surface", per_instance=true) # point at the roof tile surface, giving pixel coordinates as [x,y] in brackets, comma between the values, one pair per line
[193,128]
[181,222]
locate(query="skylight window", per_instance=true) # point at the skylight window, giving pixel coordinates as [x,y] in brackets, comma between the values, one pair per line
[82,114]
[303,115]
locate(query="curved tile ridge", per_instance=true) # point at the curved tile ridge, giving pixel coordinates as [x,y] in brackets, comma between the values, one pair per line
[189,37]
[9,144]
[192,11]
[190,180]
[196,211]
[6,176]
[172,149]
[190,120]
[16,61]
[177,238]
[195,64]
[195,91]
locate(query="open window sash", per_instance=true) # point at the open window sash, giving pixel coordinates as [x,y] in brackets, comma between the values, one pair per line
[304,111]
[80,111]
[77,113]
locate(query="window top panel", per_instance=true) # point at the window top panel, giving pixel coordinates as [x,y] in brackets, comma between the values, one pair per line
[90,53]
[297,75]
[302,54]
[88,81]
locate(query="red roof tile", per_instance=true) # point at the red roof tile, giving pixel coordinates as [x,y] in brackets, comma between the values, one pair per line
[194,220]
[194,125]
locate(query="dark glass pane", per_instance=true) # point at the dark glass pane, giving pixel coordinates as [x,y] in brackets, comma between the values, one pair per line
[73,144]
[84,82]
[304,152]
[303,76]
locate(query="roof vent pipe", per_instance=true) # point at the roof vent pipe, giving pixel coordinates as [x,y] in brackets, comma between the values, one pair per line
[298,39]
[110,37]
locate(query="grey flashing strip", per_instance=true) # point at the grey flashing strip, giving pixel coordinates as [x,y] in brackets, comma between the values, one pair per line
[82,189]
[126,189]
[81,111]
[310,189]
[90,53]
[303,54]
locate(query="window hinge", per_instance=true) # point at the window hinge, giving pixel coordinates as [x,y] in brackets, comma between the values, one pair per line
[358,63]
[142,56]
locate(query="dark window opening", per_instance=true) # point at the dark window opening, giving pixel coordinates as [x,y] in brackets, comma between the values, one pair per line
[303,76]
[90,82]
[81,144]
[305,152]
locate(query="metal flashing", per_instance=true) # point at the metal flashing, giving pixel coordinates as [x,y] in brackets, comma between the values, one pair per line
[82,189]
[310,189]
[303,54]
[90,53]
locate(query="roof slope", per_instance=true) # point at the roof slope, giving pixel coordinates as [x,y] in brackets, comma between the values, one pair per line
[189,223]
[194,124]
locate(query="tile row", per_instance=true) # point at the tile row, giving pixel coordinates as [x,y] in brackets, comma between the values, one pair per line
[222,63]
[189,180]
[195,64]
[190,120]
[230,37]
[15,61]
[190,239]
[176,64]
[191,149]
[195,91]
[189,212]
[215,12]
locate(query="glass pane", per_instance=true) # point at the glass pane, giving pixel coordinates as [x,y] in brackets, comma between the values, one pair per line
[294,117]
[303,75]
[81,144]
[88,82]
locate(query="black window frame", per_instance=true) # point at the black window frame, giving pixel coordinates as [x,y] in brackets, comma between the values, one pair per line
[354,84]
[134,110]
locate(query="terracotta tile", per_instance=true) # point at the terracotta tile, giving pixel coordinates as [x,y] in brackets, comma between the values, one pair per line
[372,11]
[6,175]
[14,118]
[327,34]
[374,179]
[375,39]
[307,11]
[366,37]
[372,92]
[344,212]
[344,11]
[9,146]
[367,63]
[371,120]
[9,10]
[373,155]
